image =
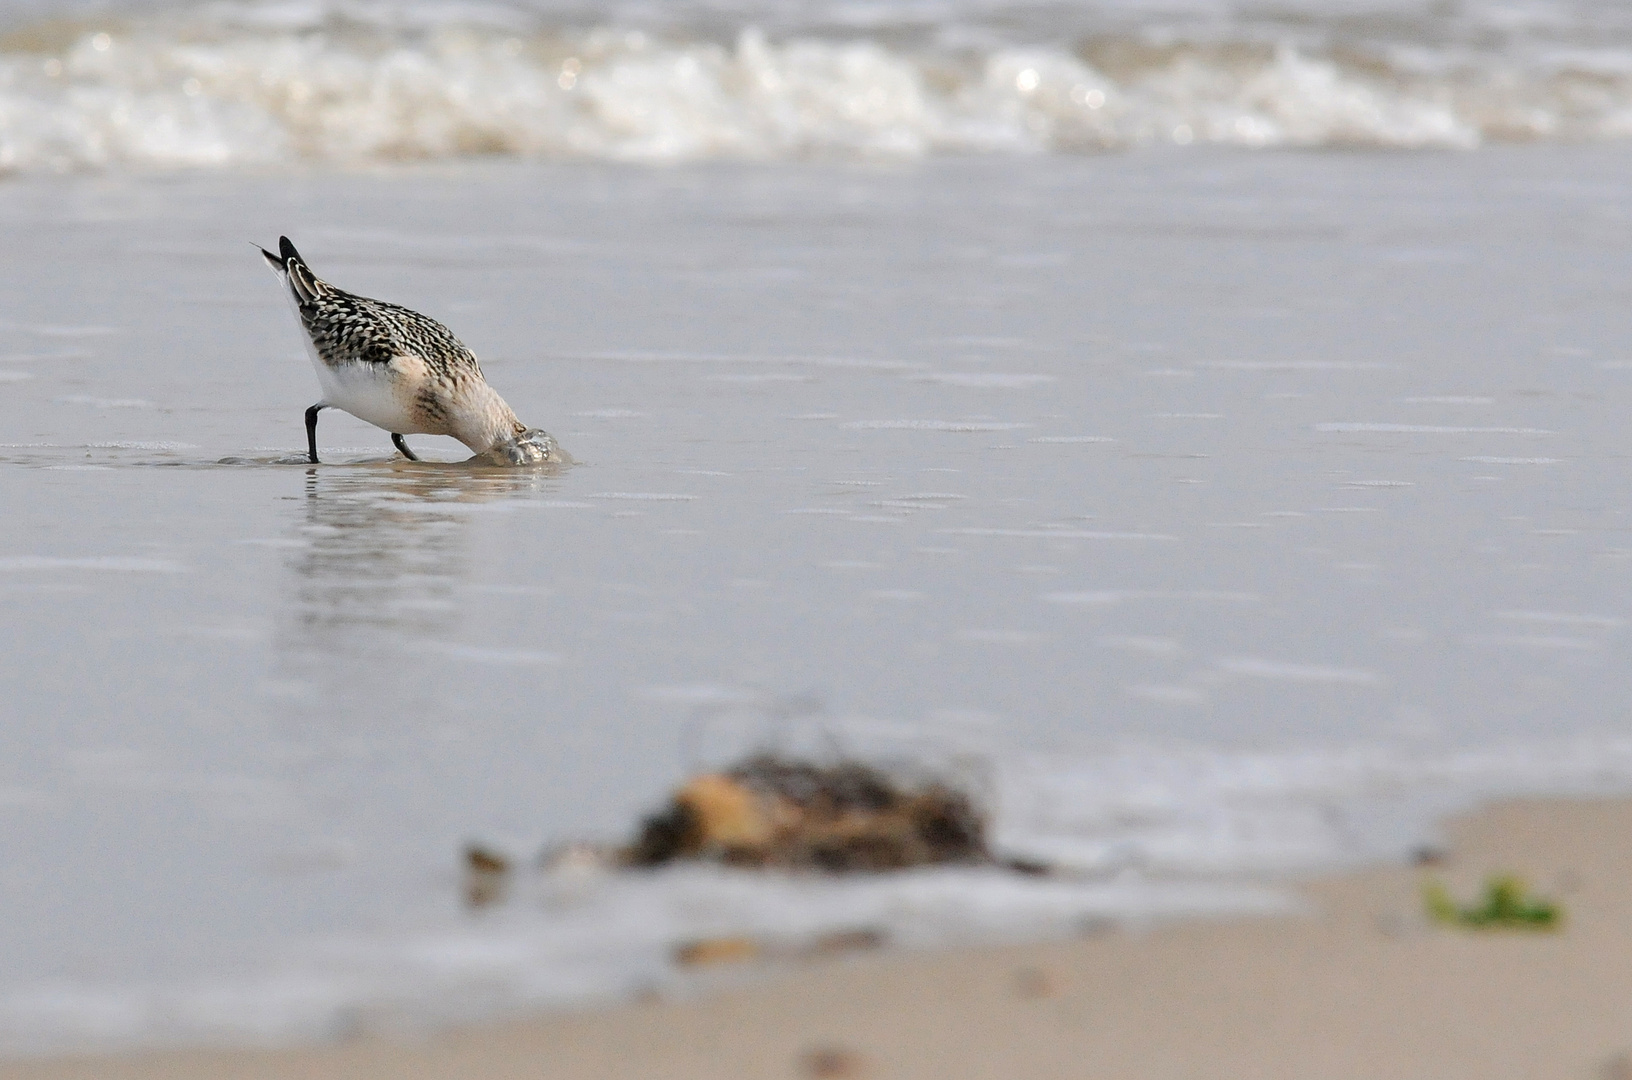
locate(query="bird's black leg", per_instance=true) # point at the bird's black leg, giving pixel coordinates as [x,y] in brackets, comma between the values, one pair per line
[396,440]
[311,429]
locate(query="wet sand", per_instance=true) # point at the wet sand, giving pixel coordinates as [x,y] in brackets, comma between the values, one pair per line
[1361,985]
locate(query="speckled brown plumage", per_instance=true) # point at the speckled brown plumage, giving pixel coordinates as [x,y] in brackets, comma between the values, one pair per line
[347,328]
[398,369]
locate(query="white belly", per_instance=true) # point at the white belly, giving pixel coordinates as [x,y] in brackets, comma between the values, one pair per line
[371,392]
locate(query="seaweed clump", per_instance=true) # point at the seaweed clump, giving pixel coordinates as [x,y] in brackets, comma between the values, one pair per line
[772,812]
[1504,905]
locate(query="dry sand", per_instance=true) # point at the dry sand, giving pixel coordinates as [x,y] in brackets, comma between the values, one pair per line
[1363,986]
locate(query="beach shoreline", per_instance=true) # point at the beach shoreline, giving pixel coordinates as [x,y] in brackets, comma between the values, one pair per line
[1360,984]
[1205,513]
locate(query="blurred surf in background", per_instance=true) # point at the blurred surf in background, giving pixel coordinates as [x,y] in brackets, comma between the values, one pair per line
[352,82]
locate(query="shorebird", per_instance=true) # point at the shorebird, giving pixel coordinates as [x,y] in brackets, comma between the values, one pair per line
[399,370]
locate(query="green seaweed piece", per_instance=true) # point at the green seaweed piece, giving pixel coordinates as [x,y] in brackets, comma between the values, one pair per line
[1504,906]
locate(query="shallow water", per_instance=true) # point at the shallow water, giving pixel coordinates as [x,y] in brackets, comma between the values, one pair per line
[1216,513]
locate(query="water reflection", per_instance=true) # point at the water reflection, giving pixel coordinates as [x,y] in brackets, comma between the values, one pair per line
[379,555]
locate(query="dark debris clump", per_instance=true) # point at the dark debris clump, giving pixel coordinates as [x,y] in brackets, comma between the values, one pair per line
[842,817]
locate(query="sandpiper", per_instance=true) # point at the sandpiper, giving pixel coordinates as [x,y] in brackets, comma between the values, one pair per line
[400,370]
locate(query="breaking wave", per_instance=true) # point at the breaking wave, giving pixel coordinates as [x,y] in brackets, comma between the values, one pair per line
[261,83]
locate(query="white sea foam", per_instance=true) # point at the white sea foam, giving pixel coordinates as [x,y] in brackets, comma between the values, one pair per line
[984,380]
[113,563]
[105,403]
[254,83]
[1607,622]
[1484,459]
[1058,534]
[1314,673]
[502,657]
[1290,365]
[1107,597]
[934,425]
[596,937]
[1428,429]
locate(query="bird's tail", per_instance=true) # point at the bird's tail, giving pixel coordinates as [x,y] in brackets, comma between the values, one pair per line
[304,285]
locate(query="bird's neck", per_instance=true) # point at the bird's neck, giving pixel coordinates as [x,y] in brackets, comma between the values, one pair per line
[491,422]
